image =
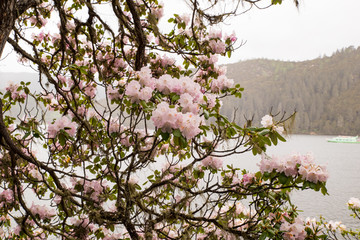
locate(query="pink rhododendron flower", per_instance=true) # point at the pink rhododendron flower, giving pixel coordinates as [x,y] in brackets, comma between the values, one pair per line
[217,46]
[215,33]
[42,210]
[313,173]
[145,77]
[221,83]
[113,93]
[15,94]
[6,196]
[293,231]
[90,90]
[188,124]
[62,123]
[247,178]
[213,162]
[186,101]
[165,117]
[289,165]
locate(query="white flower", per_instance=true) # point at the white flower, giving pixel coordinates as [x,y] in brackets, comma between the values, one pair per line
[279,129]
[354,203]
[267,121]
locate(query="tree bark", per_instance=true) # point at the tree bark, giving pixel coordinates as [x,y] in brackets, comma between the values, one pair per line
[10,10]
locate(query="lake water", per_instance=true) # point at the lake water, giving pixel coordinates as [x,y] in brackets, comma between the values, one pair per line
[343,164]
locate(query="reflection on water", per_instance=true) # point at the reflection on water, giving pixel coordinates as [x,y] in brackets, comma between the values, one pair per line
[343,163]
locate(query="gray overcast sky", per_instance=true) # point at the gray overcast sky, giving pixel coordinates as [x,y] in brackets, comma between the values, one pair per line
[281,32]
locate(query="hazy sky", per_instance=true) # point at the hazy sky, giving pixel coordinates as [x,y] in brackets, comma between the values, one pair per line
[282,32]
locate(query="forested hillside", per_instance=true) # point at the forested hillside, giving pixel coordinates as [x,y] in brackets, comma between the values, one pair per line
[325,91]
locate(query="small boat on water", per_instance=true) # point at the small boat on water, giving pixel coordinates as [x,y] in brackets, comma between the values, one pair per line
[344,139]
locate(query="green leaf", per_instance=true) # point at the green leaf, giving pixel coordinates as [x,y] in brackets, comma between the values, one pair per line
[324,190]
[177,133]
[62,139]
[264,132]
[263,236]
[274,2]
[254,151]
[165,135]
[283,179]
[273,138]
[183,142]
[281,138]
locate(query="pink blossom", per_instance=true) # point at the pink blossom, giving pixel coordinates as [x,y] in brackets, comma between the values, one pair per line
[164,83]
[221,83]
[215,33]
[42,210]
[313,173]
[7,196]
[90,90]
[120,63]
[217,46]
[133,90]
[213,162]
[186,102]
[113,93]
[211,100]
[146,93]
[268,164]
[62,123]
[165,117]
[145,77]
[188,124]
[247,178]
[293,231]
[15,94]
[133,180]
[166,61]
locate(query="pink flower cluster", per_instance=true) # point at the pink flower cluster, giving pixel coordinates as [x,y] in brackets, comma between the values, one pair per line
[15,94]
[293,231]
[217,46]
[136,93]
[221,83]
[295,165]
[167,84]
[168,119]
[248,178]
[212,162]
[7,196]
[187,103]
[113,93]
[43,211]
[93,188]
[62,123]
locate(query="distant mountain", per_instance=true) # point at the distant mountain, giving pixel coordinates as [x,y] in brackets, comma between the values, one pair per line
[325,91]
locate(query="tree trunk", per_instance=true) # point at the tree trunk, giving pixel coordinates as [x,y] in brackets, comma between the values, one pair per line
[10,10]
[7,20]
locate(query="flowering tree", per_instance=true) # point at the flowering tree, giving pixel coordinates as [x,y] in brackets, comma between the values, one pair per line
[120,141]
